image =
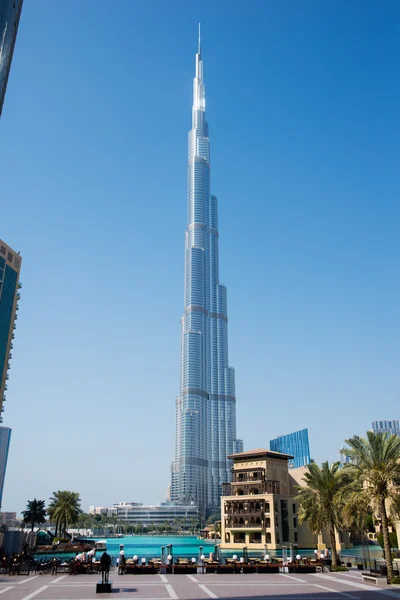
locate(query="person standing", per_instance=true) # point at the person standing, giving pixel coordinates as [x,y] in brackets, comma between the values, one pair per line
[105,563]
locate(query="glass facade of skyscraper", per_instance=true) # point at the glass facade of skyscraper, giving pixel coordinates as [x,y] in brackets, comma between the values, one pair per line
[389,426]
[10,12]
[296,444]
[5,436]
[10,265]
[206,405]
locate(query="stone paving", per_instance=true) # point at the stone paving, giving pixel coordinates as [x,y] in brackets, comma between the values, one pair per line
[319,586]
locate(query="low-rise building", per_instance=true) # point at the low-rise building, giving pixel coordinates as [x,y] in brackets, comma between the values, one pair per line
[258,507]
[7,517]
[98,510]
[154,514]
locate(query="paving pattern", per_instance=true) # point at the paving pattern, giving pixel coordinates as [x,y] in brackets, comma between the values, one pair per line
[319,586]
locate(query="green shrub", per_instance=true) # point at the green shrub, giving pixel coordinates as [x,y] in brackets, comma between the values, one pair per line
[395,580]
[339,568]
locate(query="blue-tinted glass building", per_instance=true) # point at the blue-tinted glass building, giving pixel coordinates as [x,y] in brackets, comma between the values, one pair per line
[10,266]
[5,436]
[388,426]
[296,444]
[206,405]
[10,12]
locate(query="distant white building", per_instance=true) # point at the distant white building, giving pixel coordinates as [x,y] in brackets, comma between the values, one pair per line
[154,514]
[97,510]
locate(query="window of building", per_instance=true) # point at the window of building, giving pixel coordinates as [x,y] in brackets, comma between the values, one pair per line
[3,250]
[267,522]
[9,257]
[267,509]
[268,537]
[294,509]
[295,523]
[295,536]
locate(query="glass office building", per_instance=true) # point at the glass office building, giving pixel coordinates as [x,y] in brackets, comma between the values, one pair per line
[296,444]
[389,426]
[206,405]
[10,12]
[5,436]
[10,266]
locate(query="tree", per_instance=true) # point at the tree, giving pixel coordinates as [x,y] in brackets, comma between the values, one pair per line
[375,470]
[321,500]
[195,523]
[64,509]
[35,512]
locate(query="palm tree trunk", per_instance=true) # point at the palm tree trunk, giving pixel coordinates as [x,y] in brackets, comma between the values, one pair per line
[386,539]
[33,525]
[335,558]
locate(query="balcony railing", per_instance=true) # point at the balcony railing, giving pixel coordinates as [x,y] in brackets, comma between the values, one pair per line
[231,525]
[248,475]
[243,512]
[251,489]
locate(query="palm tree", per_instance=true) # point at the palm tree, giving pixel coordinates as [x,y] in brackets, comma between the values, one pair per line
[64,509]
[35,512]
[194,522]
[321,500]
[375,469]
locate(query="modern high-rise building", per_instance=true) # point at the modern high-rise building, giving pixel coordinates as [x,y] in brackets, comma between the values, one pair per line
[296,444]
[389,426]
[10,12]
[206,405]
[10,266]
[5,435]
[343,458]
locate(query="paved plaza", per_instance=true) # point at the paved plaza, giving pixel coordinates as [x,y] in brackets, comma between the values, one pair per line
[319,586]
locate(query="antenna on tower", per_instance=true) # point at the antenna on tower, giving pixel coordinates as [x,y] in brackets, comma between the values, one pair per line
[199,48]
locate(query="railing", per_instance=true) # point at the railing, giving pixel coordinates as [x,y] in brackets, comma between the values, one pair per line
[243,512]
[244,525]
[248,489]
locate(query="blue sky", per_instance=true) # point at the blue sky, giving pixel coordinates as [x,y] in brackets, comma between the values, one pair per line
[303,106]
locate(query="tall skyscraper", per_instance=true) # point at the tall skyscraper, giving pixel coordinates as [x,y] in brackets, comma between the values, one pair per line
[10,266]
[296,444]
[343,459]
[389,426]
[10,12]
[206,405]
[5,435]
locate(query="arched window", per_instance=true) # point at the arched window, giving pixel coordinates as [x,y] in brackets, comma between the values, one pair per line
[268,537]
[267,522]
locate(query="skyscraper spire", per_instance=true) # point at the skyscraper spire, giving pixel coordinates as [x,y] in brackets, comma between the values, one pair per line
[206,405]
[199,45]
